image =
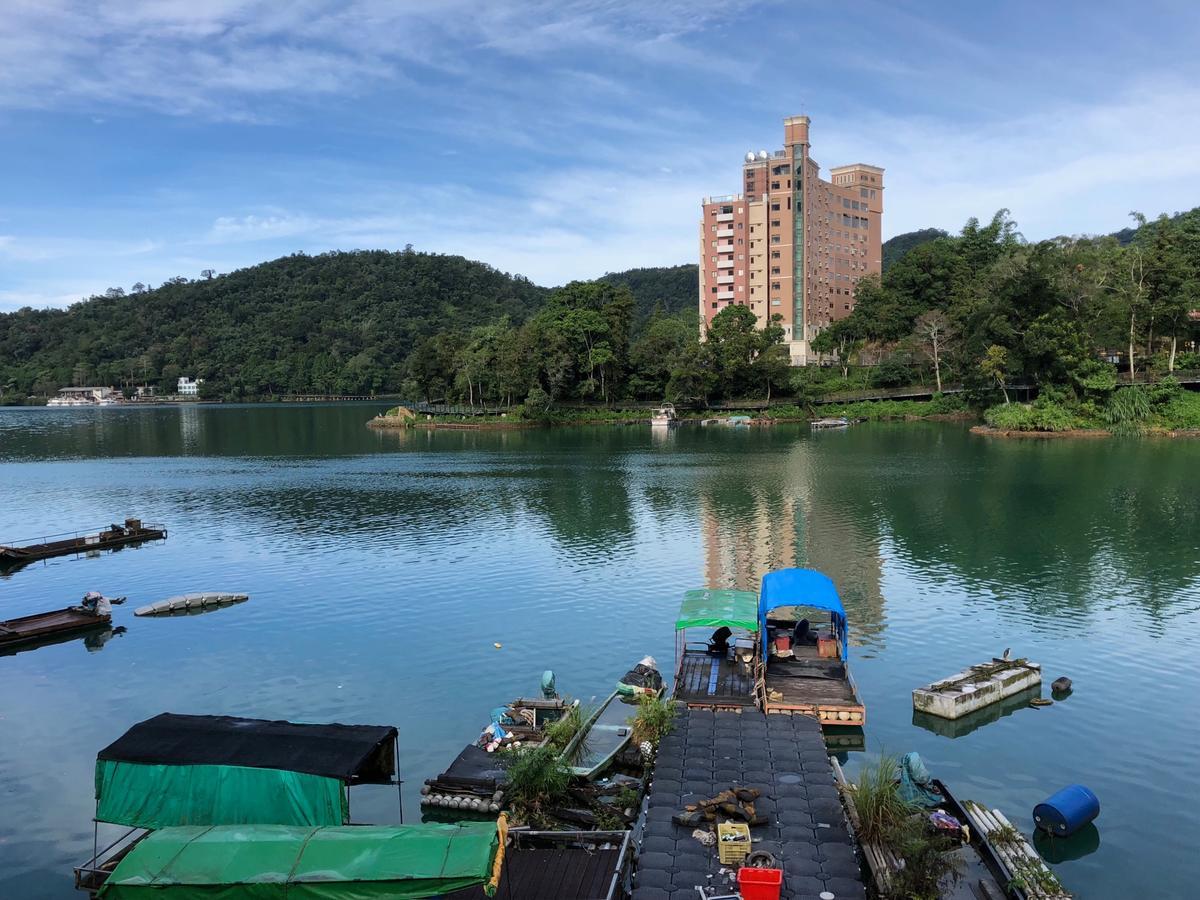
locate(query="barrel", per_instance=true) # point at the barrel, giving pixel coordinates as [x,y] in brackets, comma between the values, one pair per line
[1066,811]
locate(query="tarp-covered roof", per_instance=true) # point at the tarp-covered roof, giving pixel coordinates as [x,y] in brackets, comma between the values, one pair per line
[274,861]
[334,751]
[799,587]
[714,608]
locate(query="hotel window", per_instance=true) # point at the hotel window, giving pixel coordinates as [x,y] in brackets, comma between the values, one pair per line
[775,239]
[774,185]
[775,270]
[774,207]
[774,223]
[774,254]
[775,285]
[715,304]
[714,290]
[776,302]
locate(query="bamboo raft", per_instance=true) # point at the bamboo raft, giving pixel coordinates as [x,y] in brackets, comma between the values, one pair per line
[1016,856]
[133,531]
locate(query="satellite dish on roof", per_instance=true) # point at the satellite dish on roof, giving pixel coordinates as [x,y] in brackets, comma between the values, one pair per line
[749,156]
[762,154]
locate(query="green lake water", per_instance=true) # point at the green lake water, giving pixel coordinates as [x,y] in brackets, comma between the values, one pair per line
[383,567]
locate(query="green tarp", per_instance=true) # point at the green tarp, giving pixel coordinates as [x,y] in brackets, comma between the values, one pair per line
[151,796]
[712,609]
[271,862]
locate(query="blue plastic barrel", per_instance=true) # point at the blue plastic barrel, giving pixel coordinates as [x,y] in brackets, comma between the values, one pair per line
[1066,811]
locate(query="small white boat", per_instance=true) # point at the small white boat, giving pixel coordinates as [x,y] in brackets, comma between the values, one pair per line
[184,602]
[664,416]
[838,422]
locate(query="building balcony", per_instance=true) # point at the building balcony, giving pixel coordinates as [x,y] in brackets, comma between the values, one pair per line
[725,295]
[724,232]
[725,264]
[724,217]
[724,279]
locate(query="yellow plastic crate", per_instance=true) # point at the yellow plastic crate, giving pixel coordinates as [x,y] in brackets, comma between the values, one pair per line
[733,842]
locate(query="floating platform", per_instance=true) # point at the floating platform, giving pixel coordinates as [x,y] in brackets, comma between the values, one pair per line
[783,757]
[132,532]
[977,687]
[48,626]
[190,602]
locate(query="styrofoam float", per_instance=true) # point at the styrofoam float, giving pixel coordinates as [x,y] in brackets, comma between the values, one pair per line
[201,600]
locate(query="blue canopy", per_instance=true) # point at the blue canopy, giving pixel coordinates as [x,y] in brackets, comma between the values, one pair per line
[800,587]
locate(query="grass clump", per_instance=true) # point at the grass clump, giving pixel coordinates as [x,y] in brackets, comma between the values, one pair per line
[560,732]
[654,719]
[887,819]
[538,780]
[1042,415]
[881,810]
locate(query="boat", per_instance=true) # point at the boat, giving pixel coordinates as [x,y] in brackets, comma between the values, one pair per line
[182,770]
[832,422]
[607,731]
[804,664]
[716,649]
[188,603]
[50,626]
[474,782]
[664,416]
[133,531]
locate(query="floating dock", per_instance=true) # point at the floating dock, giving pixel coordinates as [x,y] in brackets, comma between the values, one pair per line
[977,687]
[783,757]
[132,532]
[190,602]
[1016,856]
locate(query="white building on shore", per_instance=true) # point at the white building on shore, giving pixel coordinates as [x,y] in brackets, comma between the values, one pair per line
[189,387]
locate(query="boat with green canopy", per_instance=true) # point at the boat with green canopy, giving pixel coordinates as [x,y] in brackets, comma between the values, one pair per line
[262,862]
[180,770]
[715,648]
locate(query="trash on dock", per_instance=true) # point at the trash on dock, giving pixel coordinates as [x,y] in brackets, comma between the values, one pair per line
[187,602]
[977,687]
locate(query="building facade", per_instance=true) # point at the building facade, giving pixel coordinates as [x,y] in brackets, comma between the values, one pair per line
[188,387]
[792,244]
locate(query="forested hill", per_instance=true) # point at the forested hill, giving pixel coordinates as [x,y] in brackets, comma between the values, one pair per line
[281,326]
[667,289]
[337,322]
[896,247]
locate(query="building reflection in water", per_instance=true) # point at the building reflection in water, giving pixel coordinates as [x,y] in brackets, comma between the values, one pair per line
[756,520]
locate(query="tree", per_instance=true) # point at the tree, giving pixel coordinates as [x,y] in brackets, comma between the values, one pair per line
[840,339]
[994,366]
[934,333]
[207,274]
[693,375]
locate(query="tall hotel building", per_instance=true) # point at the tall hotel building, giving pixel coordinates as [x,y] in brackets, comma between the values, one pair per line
[792,243]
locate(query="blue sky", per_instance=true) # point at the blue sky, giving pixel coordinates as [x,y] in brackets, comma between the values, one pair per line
[149,138]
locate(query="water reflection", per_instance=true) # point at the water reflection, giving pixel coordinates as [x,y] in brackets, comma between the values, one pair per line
[964,725]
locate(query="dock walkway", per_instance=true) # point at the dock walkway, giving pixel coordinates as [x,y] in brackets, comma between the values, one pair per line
[785,759]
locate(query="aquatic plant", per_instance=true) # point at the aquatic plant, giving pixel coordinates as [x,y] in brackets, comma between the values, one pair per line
[654,719]
[537,779]
[559,733]
[1127,410]
[881,810]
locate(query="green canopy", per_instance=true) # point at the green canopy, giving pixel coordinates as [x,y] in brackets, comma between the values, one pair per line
[272,862]
[712,609]
[149,796]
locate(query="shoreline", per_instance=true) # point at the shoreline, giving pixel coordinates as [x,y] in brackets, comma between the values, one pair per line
[1082,433]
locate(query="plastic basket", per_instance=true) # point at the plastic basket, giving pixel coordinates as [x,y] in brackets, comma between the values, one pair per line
[760,884]
[733,842]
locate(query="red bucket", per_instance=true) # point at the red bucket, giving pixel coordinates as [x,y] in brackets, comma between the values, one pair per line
[760,884]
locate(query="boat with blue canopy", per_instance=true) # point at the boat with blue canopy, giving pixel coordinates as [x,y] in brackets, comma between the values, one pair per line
[804,659]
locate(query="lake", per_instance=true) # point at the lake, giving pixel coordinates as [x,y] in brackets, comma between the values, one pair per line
[384,567]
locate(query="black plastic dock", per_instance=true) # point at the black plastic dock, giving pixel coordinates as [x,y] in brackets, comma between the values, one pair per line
[782,756]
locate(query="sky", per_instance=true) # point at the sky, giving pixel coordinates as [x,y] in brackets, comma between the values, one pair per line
[145,139]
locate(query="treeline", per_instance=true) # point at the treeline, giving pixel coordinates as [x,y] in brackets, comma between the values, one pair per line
[990,309]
